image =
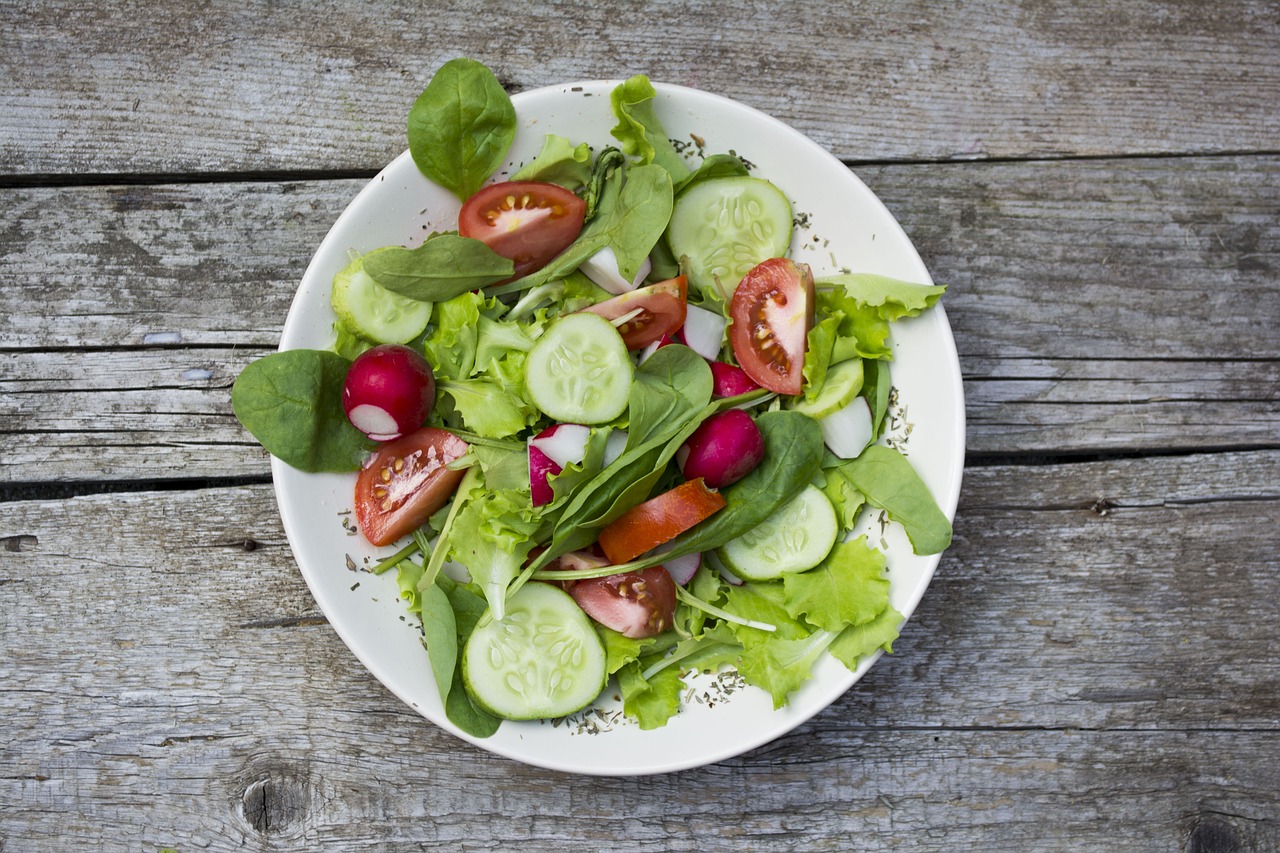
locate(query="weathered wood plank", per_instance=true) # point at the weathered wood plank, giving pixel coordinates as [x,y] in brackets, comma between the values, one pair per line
[301,86]
[1105,629]
[1097,307]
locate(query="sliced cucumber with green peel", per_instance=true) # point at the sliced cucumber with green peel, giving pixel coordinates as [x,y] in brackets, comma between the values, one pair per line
[542,659]
[725,226]
[373,312]
[794,539]
[842,384]
[579,371]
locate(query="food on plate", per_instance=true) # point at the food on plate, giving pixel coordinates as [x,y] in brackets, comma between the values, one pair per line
[609,427]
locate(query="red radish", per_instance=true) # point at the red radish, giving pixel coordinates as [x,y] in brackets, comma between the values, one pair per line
[703,331]
[388,392]
[563,443]
[724,449]
[635,604]
[540,468]
[730,381]
[682,569]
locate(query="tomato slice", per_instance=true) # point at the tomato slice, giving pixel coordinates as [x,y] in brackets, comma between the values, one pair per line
[529,222]
[635,604]
[771,314]
[657,520]
[405,482]
[658,309]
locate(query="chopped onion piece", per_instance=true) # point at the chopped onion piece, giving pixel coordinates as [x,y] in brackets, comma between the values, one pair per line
[704,331]
[847,431]
[602,268]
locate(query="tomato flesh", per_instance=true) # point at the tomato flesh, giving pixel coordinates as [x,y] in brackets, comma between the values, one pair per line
[405,482]
[657,310]
[658,520]
[771,314]
[635,604]
[529,222]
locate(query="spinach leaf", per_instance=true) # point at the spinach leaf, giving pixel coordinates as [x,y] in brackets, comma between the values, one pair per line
[792,454]
[443,267]
[890,483]
[291,402]
[461,126]
[673,378]
[468,607]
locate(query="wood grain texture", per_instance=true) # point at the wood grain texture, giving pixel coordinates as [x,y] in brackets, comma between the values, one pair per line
[166,88]
[1094,667]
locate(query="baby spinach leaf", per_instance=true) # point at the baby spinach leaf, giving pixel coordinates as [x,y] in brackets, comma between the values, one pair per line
[890,483]
[291,402]
[792,454]
[461,127]
[444,266]
[673,378]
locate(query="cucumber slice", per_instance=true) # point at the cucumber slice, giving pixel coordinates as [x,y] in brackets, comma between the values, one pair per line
[725,226]
[794,539]
[842,384]
[373,312]
[579,371]
[542,659]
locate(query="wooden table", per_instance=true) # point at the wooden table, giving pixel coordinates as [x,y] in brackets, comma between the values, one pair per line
[1095,665]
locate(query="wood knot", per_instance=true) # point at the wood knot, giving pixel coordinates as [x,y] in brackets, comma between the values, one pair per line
[276,802]
[1211,834]
[21,542]
[1101,507]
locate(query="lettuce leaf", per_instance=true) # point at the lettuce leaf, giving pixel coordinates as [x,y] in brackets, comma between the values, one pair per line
[849,587]
[559,162]
[639,130]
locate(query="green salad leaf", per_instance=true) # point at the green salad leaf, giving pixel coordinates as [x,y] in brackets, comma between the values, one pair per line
[890,483]
[639,130]
[461,127]
[444,266]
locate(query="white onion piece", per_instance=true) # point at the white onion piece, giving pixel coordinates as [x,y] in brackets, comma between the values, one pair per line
[563,443]
[650,350]
[602,268]
[682,569]
[704,331]
[614,445]
[847,432]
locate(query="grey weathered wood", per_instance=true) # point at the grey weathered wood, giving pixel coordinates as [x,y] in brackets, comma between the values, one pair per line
[168,687]
[298,86]
[1097,306]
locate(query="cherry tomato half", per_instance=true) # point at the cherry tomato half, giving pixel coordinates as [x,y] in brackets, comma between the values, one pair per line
[657,520]
[405,482]
[635,604]
[662,308]
[529,222]
[771,314]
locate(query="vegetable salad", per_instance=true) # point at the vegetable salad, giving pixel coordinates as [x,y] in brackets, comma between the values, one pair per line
[612,430]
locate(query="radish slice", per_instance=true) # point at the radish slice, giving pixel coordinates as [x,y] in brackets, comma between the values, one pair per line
[704,331]
[847,431]
[730,381]
[682,569]
[614,445]
[563,443]
[602,268]
[540,468]
[727,576]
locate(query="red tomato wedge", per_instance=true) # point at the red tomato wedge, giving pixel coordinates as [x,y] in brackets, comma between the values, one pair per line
[771,314]
[635,604]
[405,482]
[657,520]
[659,309]
[529,222]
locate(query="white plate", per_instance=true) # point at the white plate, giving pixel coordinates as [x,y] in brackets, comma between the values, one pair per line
[843,225]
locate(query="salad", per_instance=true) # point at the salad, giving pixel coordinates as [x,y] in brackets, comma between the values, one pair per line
[616,432]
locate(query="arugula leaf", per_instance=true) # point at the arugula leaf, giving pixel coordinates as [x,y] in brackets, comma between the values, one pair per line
[639,130]
[461,126]
[291,402]
[444,266]
[890,483]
